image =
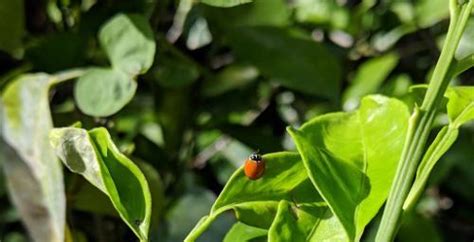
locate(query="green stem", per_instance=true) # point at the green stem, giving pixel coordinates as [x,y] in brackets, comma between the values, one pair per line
[200,228]
[66,75]
[421,123]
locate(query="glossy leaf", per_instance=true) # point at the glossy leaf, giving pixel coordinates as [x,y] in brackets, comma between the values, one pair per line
[289,59]
[102,92]
[351,158]
[129,43]
[460,109]
[225,3]
[255,202]
[368,79]
[241,232]
[32,171]
[94,155]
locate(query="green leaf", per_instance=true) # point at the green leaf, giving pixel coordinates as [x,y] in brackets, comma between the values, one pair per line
[255,202]
[368,79]
[129,43]
[351,158]
[225,3]
[322,13]
[94,155]
[289,59]
[102,91]
[12,24]
[241,232]
[230,78]
[460,109]
[430,12]
[257,13]
[466,46]
[32,171]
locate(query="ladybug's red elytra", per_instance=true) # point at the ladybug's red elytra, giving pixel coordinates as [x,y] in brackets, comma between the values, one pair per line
[254,166]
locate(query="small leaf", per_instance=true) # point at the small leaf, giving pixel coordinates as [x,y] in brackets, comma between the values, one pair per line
[294,62]
[241,232]
[94,155]
[225,3]
[460,109]
[351,158]
[129,43]
[32,171]
[102,92]
[229,78]
[368,79]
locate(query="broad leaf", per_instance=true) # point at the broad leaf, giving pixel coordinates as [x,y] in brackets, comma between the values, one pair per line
[289,59]
[351,158]
[102,91]
[460,109]
[225,3]
[129,42]
[94,155]
[368,79]
[33,173]
[241,232]
[255,202]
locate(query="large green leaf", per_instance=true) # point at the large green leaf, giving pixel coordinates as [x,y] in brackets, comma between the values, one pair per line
[12,25]
[225,3]
[102,91]
[351,157]
[33,173]
[255,202]
[129,42]
[94,155]
[368,79]
[460,109]
[289,59]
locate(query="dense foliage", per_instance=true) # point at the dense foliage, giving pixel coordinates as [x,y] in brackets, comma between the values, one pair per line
[126,120]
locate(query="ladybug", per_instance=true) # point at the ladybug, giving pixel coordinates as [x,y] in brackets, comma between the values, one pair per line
[254,166]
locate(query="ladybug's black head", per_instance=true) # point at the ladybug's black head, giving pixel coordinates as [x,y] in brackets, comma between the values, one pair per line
[255,156]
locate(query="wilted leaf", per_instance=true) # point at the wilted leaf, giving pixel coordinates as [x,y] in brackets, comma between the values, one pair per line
[33,173]
[289,59]
[129,42]
[94,155]
[460,109]
[102,92]
[351,158]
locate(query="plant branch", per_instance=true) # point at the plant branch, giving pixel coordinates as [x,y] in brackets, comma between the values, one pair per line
[421,122]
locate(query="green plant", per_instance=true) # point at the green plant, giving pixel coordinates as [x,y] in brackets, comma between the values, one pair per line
[131,120]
